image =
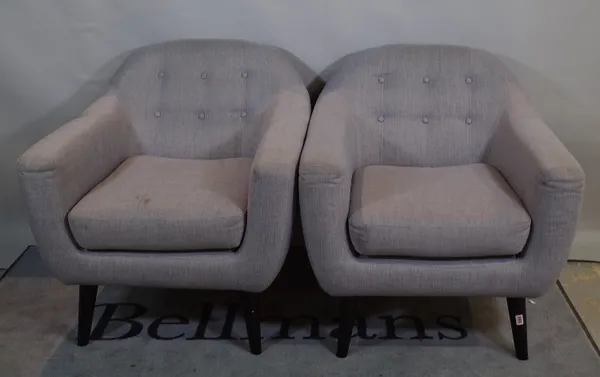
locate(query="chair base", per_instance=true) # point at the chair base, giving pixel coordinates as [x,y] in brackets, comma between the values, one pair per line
[250,303]
[347,317]
[518,324]
[87,303]
[516,310]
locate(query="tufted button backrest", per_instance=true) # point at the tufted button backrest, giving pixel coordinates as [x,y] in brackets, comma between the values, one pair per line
[422,105]
[202,98]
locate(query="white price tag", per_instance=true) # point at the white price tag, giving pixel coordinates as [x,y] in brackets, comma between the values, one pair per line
[519,320]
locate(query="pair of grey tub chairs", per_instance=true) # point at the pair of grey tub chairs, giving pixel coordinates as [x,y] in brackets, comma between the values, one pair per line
[424,171]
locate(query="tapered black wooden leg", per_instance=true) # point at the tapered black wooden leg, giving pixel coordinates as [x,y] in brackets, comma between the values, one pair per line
[346,325]
[518,323]
[250,302]
[87,302]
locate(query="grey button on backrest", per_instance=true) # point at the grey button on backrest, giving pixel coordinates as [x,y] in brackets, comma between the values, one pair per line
[426,79]
[381,119]
[161,74]
[203,75]
[381,80]
[244,74]
[243,114]
[157,114]
[201,116]
[468,80]
[425,120]
[468,121]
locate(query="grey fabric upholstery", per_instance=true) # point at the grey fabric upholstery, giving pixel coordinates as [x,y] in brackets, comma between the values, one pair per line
[62,168]
[447,212]
[421,105]
[211,109]
[165,204]
[454,123]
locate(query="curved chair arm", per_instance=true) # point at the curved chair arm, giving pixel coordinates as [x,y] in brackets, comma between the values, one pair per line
[326,168]
[62,167]
[548,180]
[272,186]
[329,155]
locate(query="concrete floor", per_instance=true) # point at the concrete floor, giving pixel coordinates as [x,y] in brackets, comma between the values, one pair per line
[581,282]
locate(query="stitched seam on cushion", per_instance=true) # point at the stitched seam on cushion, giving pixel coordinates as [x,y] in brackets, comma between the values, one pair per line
[45,171]
[434,226]
[107,218]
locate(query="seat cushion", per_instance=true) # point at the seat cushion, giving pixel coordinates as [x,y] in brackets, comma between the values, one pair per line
[157,203]
[445,212]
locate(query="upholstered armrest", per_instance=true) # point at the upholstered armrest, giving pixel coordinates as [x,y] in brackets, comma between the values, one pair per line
[326,168]
[273,178]
[61,168]
[545,176]
[97,140]
[329,156]
[284,125]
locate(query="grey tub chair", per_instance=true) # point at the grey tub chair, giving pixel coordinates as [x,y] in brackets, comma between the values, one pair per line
[181,176]
[426,172]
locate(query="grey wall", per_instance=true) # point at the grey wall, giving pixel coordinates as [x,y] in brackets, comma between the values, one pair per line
[55,56]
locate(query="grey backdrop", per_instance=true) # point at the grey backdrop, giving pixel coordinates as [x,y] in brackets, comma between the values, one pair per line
[56,55]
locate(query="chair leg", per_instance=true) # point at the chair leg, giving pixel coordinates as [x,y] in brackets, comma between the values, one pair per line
[345,328]
[518,323]
[87,302]
[250,302]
